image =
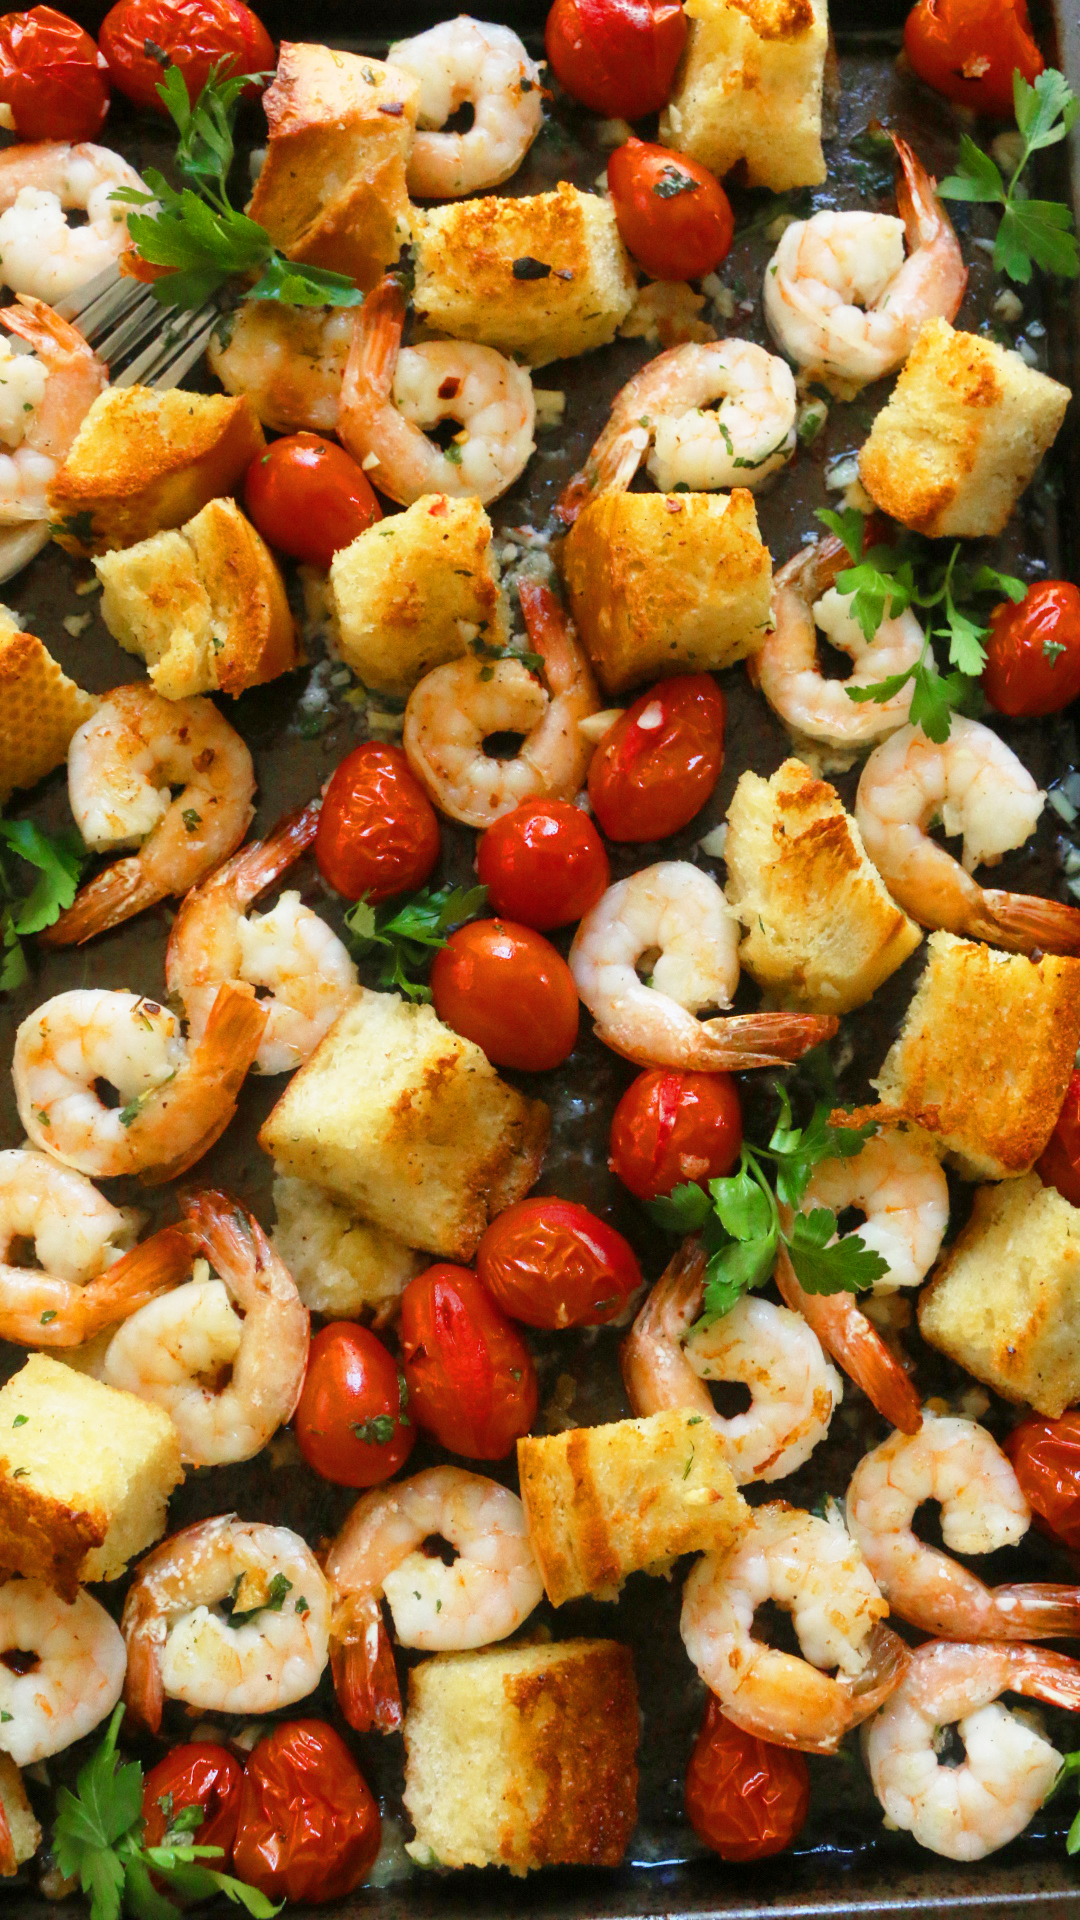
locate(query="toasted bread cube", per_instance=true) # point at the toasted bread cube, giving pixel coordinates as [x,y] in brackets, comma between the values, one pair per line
[415,590]
[1005,1300]
[985,1053]
[22,1826]
[410,1125]
[342,1266]
[40,709]
[85,1475]
[523,1757]
[963,431]
[466,284]
[604,1502]
[749,88]
[664,583]
[290,361]
[332,187]
[823,932]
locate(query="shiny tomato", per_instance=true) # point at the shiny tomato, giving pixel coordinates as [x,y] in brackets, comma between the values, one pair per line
[200,1774]
[52,76]
[352,1421]
[967,50]
[194,35]
[672,1127]
[543,864]
[745,1797]
[552,1263]
[506,987]
[308,497]
[660,761]
[471,1379]
[1033,653]
[309,1826]
[377,833]
[673,214]
[1046,1460]
[1059,1165]
[616,56]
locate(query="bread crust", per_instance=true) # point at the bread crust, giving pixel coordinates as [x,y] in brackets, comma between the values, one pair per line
[40,709]
[749,88]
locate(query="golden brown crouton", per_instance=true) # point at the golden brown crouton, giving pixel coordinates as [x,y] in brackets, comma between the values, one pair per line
[985,1053]
[523,1757]
[85,1475]
[342,1266]
[822,930]
[332,187]
[604,1502]
[544,276]
[142,461]
[667,583]
[23,1828]
[40,708]
[963,432]
[415,590]
[205,606]
[749,88]
[410,1125]
[1005,1300]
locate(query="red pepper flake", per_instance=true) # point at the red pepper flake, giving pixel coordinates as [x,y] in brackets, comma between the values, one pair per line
[450,387]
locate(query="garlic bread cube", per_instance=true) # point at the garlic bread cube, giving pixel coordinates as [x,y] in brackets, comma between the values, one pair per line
[749,88]
[22,1826]
[342,1266]
[40,709]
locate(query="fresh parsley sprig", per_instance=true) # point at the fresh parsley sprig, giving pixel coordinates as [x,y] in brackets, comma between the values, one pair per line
[738,1218]
[411,931]
[1037,233]
[59,859]
[1069,1769]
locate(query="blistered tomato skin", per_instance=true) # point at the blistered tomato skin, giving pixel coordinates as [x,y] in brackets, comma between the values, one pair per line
[197,35]
[1046,1460]
[505,987]
[308,497]
[1033,653]
[616,56]
[967,50]
[544,864]
[353,1424]
[378,835]
[198,1774]
[672,1127]
[52,76]
[552,1263]
[672,213]
[1059,1164]
[472,1383]
[744,1797]
[659,763]
[309,1825]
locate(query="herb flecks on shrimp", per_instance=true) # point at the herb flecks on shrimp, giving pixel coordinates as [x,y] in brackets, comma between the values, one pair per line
[1032,233]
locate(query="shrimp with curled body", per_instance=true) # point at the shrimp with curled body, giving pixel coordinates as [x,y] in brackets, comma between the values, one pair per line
[40,181]
[44,397]
[290,361]
[469,61]
[61,1668]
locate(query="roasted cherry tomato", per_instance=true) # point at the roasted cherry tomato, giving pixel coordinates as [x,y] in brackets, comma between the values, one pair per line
[616,56]
[1059,1165]
[352,1423]
[52,76]
[543,864]
[506,987]
[967,50]
[745,1797]
[673,214]
[377,832]
[196,36]
[672,1127]
[552,1263]
[660,761]
[308,497]
[1046,1460]
[309,1826]
[1033,653]
[200,1774]
[471,1379]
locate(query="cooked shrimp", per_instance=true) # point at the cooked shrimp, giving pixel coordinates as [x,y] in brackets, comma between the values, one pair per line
[40,181]
[289,951]
[665,412]
[676,917]
[122,764]
[811,1569]
[61,1668]
[390,394]
[44,396]
[967,1811]
[289,360]
[248,1325]
[456,707]
[230,1615]
[846,1334]
[466,60]
[975,785]
[840,296]
[959,1465]
[493,1585]
[173,1102]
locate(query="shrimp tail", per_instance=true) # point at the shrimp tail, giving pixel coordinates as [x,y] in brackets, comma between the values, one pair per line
[116,895]
[1038,1610]
[8,1862]
[764,1039]
[927,225]
[612,465]
[1024,923]
[1043,1674]
[153,1267]
[256,867]
[144,1688]
[228,1234]
[847,1335]
[362,1663]
[373,354]
[210,1083]
[51,337]
[672,1304]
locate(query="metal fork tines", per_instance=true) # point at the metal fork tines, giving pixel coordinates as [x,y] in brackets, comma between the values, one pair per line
[139,341]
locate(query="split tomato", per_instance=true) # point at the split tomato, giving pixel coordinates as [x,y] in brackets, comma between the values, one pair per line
[139,38]
[552,1263]
[472,1383]
[309,1827]
[52,76]
[658,764]
[968,50]
[377,834]
[672,1127]
[745,1797]
[1046,1460]
[199,1774]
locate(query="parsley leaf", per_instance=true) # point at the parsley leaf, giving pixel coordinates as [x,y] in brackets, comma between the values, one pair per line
[1070,1767]
[1031,233]
[276,1595]
[411,930]
[59,860]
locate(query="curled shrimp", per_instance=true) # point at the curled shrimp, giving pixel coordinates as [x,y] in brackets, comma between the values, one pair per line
[667,1361]
[469,61]
[61,1668]
[959,1465]
[811,1569]
[122,764]
[290,361]
[841,298]
[40,181]
[965,1812]
[44,397]
[289,952]
[846,1334]
[975,785]
[174,1103]
[676,916]
[492,1586]
[456,707]
[390,394]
